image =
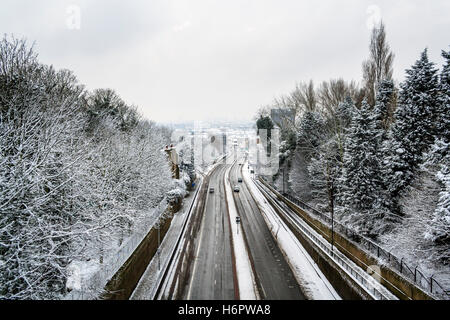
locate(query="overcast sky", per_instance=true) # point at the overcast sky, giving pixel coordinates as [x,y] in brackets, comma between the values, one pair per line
[203,59]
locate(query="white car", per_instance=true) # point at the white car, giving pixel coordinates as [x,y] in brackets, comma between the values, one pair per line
[236,189]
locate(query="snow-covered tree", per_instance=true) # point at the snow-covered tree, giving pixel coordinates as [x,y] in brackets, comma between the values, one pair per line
[338,124]
[362,191]
[324,170]
[384,104]
[71,188]
[437,164]
[415,126]
[309,137]
[39,125]
[443,126]
[311,131]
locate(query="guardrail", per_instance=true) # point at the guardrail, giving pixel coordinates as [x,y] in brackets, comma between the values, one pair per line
[369,286]
[171,257]
[429,284]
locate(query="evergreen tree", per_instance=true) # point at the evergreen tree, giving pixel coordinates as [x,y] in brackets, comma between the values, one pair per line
[323,170]
[309,137]
[443,125]
[362,190]
[384,103]
[344,112]
[415,127]
[311,132]
[342,119]
[439,227]
[381,119]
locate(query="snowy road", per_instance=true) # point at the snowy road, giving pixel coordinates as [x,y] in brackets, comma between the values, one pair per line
[212,272]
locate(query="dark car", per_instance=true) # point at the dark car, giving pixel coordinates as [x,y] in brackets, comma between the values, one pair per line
[239,179]
[211,190]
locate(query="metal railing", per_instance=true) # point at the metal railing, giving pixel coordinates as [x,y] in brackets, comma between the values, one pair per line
[165,270]
[364,280]
[429,284]
[92,287]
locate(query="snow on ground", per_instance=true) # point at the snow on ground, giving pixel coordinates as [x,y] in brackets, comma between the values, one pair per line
[313,282]
[87,279]
[146,285]
[246,279]
[80,272]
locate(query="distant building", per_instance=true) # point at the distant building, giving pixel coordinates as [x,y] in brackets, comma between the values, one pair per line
[224,141]
[282,117]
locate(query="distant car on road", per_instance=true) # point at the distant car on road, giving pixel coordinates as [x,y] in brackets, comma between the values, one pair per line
[252,171]
[236,188]
[239,180]
[211,190]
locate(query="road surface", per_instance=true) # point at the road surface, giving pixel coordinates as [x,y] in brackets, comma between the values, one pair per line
[274,277]
[212,272]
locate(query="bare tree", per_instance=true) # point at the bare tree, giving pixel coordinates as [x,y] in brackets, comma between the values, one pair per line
[262,112]
[333,92]
[304,96]
[379,66]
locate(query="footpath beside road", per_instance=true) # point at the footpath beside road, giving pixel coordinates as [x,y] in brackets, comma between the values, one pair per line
[146,285]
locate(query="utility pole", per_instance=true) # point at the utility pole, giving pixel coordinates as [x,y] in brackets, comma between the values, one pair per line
[331,203]
[159,241]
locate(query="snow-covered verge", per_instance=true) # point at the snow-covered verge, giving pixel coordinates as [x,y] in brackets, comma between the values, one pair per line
[423,238]
[314,284]
[245,276]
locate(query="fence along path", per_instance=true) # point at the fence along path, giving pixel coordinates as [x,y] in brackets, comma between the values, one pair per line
[91,287]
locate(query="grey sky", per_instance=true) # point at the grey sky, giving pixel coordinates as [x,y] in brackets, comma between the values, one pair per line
[202,59]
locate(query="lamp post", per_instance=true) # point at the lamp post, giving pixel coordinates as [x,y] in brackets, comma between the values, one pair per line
[330,183]
[159,241]
[332,231]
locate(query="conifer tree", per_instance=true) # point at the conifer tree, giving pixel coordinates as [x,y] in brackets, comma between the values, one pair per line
[439,228]
[384,102]
[362,190]
[443,125]
[415,127]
